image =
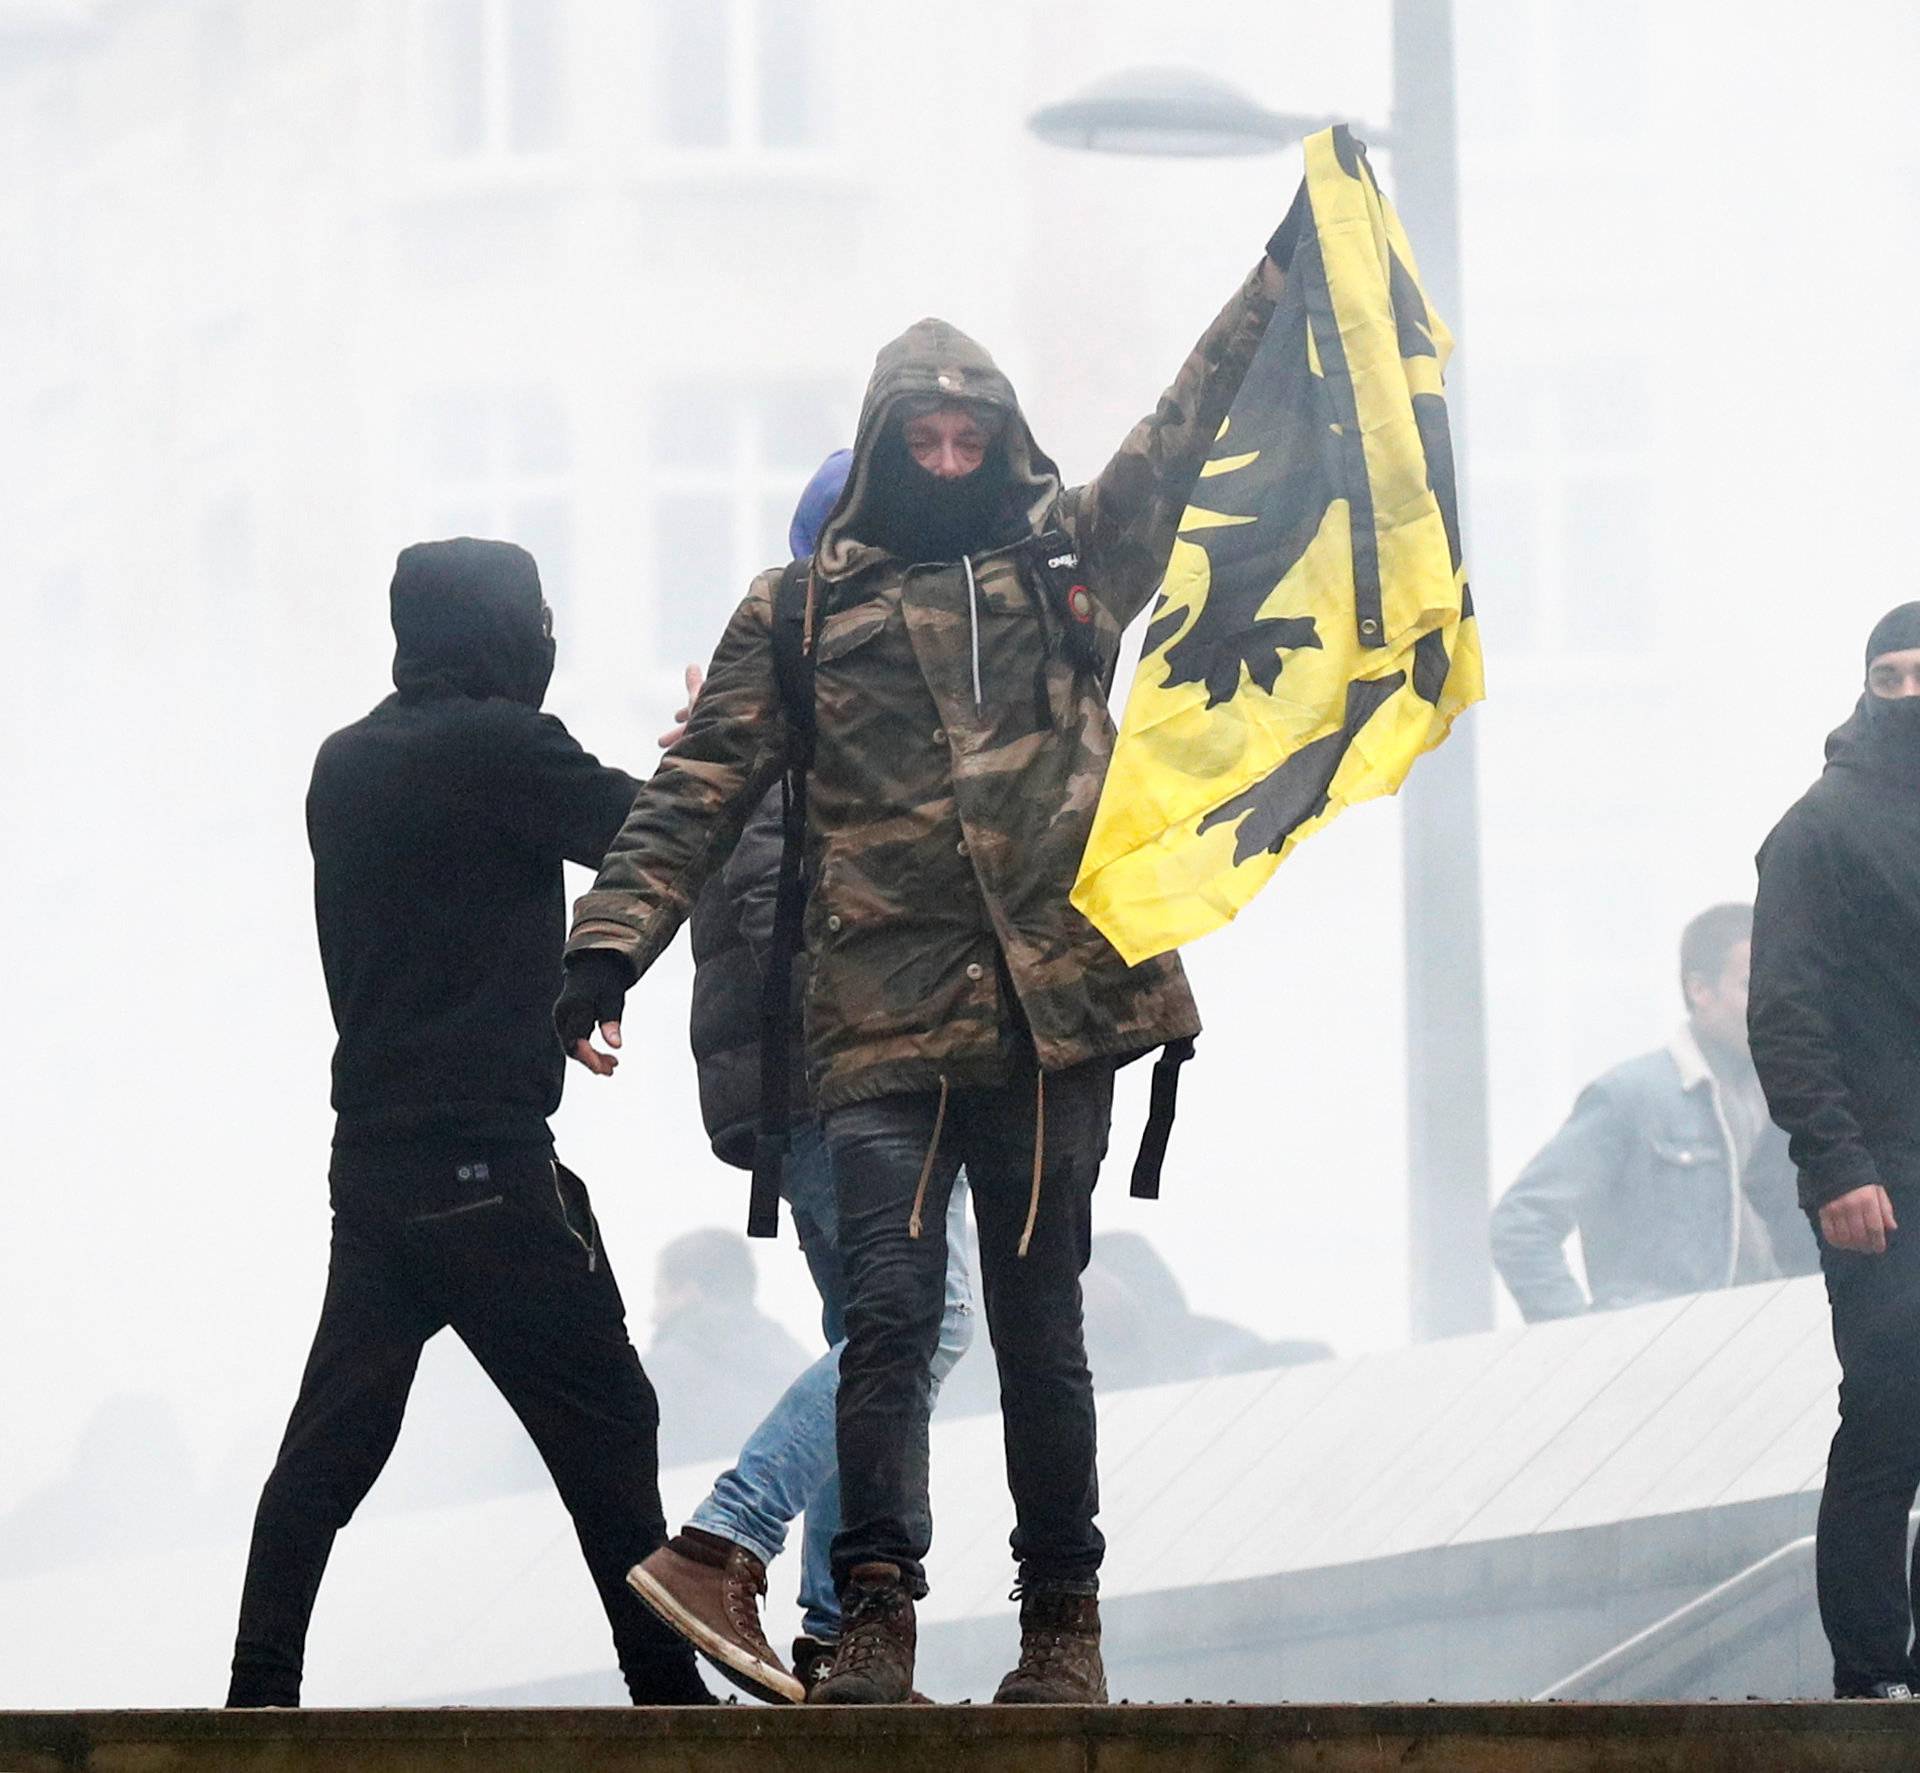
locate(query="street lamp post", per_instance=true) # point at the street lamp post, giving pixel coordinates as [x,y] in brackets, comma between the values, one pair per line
[1448,1164]
[1175,112]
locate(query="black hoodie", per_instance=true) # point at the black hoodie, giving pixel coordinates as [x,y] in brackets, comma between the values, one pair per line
[438,826]
[1834,1010]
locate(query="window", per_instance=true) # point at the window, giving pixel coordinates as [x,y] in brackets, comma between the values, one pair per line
[71,655]
[63,608]
[220,75]
[1561,74]
[1606,556]
[1602,68]
[1497,54]
[738,76]
[728,466]
[1503,554]
[497,463]
[231,633]
[227,551]
[490,72]
[1560,506]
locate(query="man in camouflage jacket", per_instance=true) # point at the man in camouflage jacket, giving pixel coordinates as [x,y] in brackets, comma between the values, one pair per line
[959,1010]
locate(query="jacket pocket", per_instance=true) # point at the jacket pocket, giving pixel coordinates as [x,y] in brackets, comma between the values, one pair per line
[441,1214]
[847,630]
[576,1211]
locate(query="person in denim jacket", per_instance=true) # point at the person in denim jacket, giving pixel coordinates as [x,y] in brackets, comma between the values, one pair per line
[1668,1167]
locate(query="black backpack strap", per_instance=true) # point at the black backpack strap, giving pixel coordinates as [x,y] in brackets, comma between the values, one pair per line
[793,676]
[1056,564]
[1164,1099]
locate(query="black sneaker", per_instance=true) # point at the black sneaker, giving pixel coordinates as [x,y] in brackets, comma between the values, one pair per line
[812,1657]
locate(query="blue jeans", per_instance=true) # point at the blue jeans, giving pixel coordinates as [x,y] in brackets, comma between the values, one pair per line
[789,1465]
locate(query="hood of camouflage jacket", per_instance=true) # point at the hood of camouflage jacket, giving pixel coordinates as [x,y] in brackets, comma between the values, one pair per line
[469,620]
[934,361]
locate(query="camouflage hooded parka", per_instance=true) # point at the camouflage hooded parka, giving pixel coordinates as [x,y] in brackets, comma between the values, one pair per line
[961,746]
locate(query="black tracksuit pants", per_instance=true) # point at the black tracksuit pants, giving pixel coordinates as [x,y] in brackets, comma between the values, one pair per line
[504,1248]
[1868,1590]
[896,1291]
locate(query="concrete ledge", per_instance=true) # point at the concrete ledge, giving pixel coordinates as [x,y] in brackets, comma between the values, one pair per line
[1860,1738]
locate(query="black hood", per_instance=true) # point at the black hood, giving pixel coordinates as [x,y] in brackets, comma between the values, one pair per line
[915,515]
[1881,738]
[1897,631]
[469,619]
[1847,746]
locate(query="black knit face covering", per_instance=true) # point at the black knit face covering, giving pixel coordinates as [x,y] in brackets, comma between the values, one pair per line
[1893,722]
[915,515]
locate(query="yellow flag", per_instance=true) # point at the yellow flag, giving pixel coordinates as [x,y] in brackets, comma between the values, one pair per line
[1315,633]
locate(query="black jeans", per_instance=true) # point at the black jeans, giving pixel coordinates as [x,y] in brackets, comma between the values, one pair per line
[1866,1585]
[504,1248]
[896,1289]
[819,1240]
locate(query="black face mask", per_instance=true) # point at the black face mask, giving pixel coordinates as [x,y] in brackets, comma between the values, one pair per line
[1890,725]
[1893,729]
[915,515]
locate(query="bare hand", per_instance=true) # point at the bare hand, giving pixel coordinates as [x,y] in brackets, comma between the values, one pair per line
[696,681]
[586,1053]
[1859,1220]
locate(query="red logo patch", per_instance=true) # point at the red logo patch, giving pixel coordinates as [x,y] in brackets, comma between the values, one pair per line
[1080,603]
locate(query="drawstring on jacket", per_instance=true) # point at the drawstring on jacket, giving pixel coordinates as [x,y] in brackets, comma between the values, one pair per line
[973,623]
[1039,1161]
[1039,1156]
[926,1169]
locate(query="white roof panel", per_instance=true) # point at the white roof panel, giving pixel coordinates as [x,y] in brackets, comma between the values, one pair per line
[1669,1407]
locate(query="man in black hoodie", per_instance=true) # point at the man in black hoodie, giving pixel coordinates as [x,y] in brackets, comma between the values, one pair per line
[438,825]
[1834,1015]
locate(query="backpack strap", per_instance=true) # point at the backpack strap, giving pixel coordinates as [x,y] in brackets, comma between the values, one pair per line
[1163,1101]
[793,677]
[1055,558]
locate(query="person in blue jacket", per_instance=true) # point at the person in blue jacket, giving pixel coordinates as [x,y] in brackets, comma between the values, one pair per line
[1669,1167]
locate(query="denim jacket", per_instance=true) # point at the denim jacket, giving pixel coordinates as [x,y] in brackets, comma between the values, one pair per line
[1646,1170]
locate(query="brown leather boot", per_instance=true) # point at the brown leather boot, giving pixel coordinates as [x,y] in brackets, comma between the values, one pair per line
[874,1664]
[1059,1650]
[708,1589]
[812,1657]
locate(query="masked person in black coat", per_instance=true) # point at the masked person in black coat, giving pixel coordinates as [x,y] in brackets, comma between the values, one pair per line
[1834,1016]
[438,825]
